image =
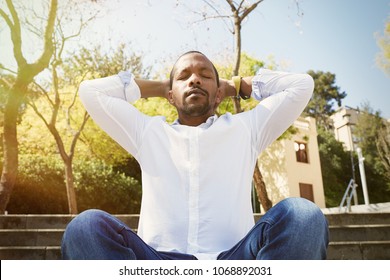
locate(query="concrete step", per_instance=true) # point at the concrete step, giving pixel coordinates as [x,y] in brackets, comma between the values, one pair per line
[30,253]
[60,221]
[358,218]
[31,237]
[352,236]
[51,221]
[359,233]
[53,237]
[367,250]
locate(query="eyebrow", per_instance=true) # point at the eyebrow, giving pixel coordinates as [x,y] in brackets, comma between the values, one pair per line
[202,69]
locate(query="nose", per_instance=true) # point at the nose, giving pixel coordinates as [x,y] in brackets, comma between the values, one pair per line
[194,79]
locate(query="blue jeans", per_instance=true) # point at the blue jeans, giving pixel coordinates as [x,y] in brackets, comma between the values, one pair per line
[293,229]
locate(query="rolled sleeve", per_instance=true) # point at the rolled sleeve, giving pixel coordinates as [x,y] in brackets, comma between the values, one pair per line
[131,91]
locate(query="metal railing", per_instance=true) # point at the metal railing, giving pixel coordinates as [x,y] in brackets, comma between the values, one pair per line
[347,198]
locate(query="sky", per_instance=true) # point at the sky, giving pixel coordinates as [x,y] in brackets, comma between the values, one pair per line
[336,36]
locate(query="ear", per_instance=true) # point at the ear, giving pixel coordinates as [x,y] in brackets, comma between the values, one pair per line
[218,96]
[170,97]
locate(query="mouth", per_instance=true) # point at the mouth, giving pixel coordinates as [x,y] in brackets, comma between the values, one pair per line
[196,92]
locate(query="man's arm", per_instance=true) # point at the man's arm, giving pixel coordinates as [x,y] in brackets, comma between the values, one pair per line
[108,99]
[283,98]
[150,88]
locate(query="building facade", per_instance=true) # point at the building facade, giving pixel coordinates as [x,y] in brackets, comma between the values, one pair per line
[291,167]
[344,122]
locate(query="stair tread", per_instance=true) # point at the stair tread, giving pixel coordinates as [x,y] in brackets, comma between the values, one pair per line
[33,230]
[361,226]
[369,242]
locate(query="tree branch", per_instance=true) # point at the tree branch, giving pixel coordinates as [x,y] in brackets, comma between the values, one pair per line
[16,32]
[45,93]
[7,69]
[231,4]
[44,60]
[7,19]
[77,135]
[35,108]
[247,11]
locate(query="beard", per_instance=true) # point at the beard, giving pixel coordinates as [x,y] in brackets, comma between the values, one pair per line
[196,110]
[193,108]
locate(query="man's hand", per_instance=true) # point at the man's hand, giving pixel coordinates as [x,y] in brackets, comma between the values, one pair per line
[227,88]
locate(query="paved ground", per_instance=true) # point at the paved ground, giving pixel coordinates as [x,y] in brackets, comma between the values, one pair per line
[379,207]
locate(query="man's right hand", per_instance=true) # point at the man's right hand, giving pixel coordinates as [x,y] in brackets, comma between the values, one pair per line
[153,88]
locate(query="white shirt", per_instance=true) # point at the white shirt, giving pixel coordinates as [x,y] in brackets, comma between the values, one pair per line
[196,181]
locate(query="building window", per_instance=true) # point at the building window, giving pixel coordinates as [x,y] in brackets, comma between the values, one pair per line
[301,152]
[306,191]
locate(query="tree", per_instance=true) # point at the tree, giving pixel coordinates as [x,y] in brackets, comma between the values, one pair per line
[372,136]
[383,58]
[56,102]
[383,146]
[326,94]
[335,166]
[25,74]
[75,69]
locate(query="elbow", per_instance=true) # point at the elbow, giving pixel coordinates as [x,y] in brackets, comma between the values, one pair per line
[84,89]
[307,85]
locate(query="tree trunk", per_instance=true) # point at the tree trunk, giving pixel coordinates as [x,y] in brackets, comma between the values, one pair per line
[261,189]
[70,189]
[25,75]
[262,195]
[10,143]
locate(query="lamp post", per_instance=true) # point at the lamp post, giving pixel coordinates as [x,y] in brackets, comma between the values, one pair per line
[363,176]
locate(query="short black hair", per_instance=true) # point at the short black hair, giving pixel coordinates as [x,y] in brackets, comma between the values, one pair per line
[189,52]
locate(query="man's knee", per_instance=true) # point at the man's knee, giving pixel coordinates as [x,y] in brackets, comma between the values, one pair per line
[305,215]
[84,224]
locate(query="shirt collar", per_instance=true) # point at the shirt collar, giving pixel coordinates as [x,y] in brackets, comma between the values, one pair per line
[204,125]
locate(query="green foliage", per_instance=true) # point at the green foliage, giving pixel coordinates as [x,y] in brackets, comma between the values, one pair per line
[249,67]
[335,166]
[157,107]
[93,64]
[100,186]
[325,95]
[40,187]
[368,131]
[383,58]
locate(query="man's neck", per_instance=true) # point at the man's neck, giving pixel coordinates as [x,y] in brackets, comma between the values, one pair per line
[193,121]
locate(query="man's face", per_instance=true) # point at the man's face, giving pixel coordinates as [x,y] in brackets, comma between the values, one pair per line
[194,90]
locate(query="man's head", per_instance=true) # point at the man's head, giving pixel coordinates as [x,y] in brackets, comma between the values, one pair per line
[195,91]
[190,52]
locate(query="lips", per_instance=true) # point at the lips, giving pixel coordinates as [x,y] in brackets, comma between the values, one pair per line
[196,91]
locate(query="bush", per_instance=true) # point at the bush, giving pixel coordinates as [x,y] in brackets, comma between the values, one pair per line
[100,186]
[40,187]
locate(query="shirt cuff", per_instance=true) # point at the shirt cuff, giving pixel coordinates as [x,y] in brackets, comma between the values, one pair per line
[258,87]
[131,90]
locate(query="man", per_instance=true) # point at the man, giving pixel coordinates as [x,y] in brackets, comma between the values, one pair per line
[197,172]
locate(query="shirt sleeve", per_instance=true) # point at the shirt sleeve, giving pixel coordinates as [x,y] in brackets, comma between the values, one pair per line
[107,102]
[283,97]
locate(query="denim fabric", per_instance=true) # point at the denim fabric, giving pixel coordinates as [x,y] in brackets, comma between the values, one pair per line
[295,228]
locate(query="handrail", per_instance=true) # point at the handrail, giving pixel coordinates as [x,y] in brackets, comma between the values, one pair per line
[349,192]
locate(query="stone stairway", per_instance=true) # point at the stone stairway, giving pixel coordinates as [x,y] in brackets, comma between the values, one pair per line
[38,237]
